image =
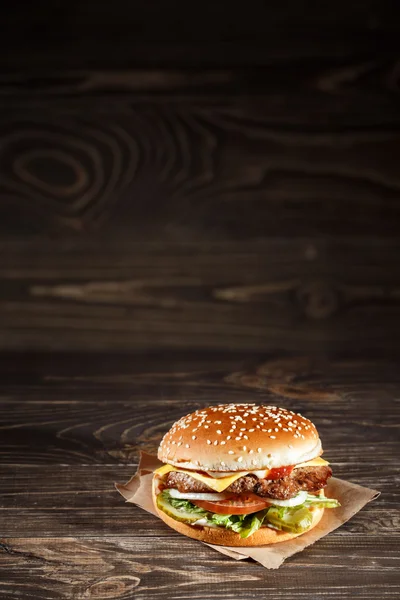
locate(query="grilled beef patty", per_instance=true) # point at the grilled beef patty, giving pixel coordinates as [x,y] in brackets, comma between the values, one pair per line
[310,479]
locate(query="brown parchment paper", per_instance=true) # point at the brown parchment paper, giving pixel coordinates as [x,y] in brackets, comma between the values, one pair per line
[351,496]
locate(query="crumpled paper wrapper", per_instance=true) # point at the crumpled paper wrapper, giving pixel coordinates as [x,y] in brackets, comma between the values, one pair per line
[351,496]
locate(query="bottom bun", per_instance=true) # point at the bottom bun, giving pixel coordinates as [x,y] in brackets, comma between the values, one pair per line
[225,537]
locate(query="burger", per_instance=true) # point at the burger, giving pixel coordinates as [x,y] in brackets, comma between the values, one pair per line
[242,475]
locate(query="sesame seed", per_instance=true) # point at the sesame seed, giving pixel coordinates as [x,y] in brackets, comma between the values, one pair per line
[231,452]
[187,446]
[219,431]
[245,437]
[254,461]
[259,450]
[273,437]
[238,438]
[222,463]
[251,451]
[228,437]
[251,430]
[244,448]
[179,443]
[240,458]
[216,443]
[223,443]
[276,429]
[193,437]
[205,426]
[209,442]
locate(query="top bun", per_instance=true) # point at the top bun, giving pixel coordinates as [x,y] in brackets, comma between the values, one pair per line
[240,437]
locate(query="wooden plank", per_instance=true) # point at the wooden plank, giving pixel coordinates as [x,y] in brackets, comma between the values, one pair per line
[117,567]
[315,296]
[230,168]
[66,35]
[181,375]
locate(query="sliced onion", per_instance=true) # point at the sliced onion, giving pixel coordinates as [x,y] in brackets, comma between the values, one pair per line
[204,523]
[298,499]
[214,496]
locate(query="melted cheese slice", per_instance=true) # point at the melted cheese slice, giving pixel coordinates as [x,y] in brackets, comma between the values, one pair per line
[220,484]
[314,462]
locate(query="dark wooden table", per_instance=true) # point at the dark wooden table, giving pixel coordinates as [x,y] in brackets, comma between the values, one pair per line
[73,424]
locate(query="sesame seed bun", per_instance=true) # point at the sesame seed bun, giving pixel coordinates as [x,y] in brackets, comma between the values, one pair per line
[225,537]
[240,437]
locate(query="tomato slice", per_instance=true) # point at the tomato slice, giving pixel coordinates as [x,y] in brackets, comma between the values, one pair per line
[239,504]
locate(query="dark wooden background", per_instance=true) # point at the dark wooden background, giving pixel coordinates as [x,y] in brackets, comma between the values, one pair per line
[197,176]
[198,203]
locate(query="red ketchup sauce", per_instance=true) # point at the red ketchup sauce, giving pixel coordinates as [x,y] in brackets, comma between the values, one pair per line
[280,472]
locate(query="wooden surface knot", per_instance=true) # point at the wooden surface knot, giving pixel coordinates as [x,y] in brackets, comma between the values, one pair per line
[318,299]
[298,392]
[282,371]
[112,587]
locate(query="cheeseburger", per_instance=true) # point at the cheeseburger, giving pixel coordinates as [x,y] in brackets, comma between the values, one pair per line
[242,475]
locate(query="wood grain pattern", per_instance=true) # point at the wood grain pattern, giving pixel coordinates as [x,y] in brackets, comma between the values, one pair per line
[72,424]
[317,296]
[118,567]
[198,169]
[238,201]
[172,212]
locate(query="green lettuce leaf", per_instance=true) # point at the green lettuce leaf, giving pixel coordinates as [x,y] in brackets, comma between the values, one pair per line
[228,521]
[296,519]
[245,525]
[252,523]
[184,505]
